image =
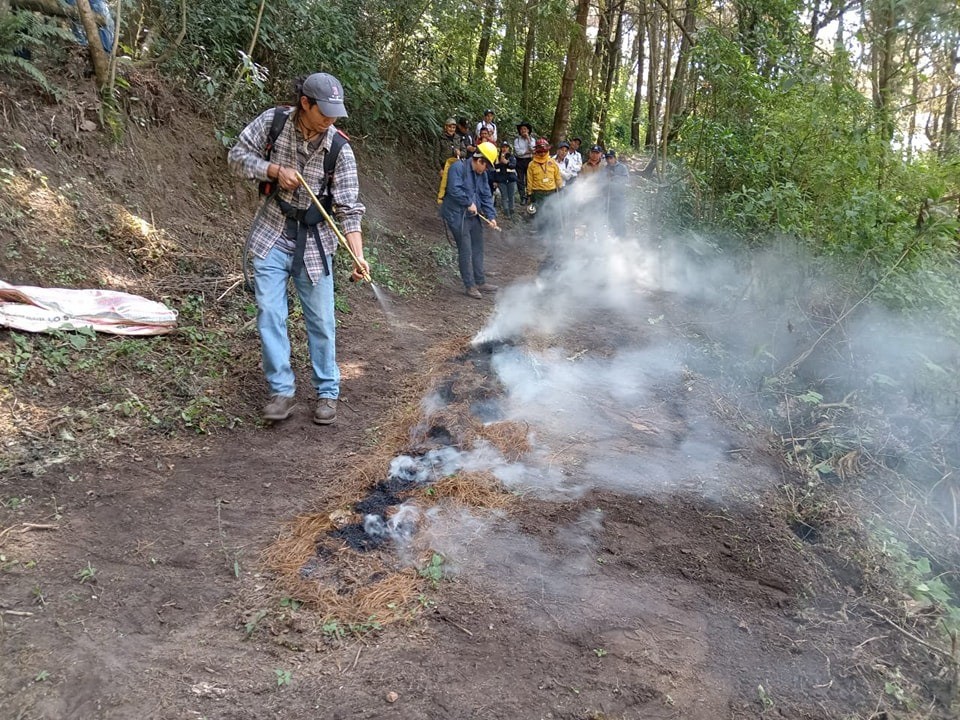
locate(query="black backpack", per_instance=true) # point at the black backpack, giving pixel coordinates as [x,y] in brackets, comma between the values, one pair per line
[269,187]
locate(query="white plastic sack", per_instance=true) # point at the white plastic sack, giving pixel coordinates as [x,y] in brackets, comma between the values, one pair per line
[37,309]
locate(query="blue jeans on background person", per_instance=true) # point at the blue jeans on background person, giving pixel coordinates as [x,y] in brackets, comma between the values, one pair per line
[508,191]
[270,276]
[468,234]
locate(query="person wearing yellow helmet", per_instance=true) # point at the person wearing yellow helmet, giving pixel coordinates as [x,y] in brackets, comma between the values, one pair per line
[489,151]
[467,206]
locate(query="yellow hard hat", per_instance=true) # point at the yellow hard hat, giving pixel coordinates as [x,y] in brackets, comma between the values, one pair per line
[489,151]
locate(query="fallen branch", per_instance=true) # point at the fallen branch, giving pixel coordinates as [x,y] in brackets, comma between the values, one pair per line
[455,624]
[930,646]
[227,291]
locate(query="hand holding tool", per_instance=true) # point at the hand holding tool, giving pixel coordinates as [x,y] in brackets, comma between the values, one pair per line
[360,267]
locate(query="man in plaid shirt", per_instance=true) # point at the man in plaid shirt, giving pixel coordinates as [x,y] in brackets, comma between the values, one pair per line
[290,240]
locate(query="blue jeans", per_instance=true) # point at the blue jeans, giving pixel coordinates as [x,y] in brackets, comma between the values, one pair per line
[468,233]
[270,276]
[507,192]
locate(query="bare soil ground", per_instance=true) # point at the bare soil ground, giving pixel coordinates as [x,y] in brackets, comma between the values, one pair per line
[134,581]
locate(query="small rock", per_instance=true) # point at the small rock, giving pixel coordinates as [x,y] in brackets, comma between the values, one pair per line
[392,697]
[88,126]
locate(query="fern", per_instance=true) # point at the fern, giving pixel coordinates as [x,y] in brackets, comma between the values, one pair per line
[21,30]
[12,64]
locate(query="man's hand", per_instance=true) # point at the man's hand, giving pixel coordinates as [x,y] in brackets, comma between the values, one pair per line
[361,271]
[493,224]
[286,177]
[472,208]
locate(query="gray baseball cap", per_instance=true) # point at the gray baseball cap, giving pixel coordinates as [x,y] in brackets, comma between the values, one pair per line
[328,92]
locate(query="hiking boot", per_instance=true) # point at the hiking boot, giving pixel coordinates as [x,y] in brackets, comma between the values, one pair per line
[279,407]
[326,411]
[473,292]
[488,288]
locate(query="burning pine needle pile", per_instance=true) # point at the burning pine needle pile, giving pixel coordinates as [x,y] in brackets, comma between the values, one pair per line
[359,559]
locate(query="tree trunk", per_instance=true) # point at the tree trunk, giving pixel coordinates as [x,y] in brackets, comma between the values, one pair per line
[101,63]
[575,50]
[596,64]
[914,95]
[507,72]
[483,48]
[664,80]
[653,98]
[528,50]
[678,88]
[638,88]
[948,142]
[884,35]
[611,65]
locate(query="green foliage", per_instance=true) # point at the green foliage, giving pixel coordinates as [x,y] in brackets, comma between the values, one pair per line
[86,575]
[798,154]
[434,569]
[335,630]
[23,31]
[916,577]
[284,677]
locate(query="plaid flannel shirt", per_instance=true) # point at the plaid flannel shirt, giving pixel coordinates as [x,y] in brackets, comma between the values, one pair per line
[246,160]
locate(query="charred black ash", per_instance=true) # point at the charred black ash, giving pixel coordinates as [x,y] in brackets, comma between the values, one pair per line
[487,347]
[378,500]
[355,535]
[487,409]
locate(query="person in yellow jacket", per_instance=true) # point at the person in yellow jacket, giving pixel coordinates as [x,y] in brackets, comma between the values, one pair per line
[543,173]
[543,182]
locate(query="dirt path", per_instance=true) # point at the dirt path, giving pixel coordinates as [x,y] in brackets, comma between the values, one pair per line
[643,571]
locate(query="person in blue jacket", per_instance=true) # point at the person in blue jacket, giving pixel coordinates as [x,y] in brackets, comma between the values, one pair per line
[467,207]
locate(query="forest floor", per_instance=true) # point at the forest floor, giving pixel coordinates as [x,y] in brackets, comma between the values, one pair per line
[584,523]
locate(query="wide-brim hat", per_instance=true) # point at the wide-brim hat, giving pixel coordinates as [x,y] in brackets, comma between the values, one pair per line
[525,124]
[327,91]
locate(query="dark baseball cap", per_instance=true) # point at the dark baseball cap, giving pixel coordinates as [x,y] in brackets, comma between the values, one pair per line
[596,148]
[328,92]
[564,143]
[611,153]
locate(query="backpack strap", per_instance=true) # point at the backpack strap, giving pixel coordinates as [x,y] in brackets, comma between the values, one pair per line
[280,115]
[330,165]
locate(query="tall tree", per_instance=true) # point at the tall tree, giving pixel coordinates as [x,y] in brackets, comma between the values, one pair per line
[948,140]
[528,53]
[653,77]
[678,86]
[611,64]
[508,71]
[635,115]
[483,47]
[597,60]
[575,52]
[882,25]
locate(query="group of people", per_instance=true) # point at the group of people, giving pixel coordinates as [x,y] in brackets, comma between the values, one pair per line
[478,164]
